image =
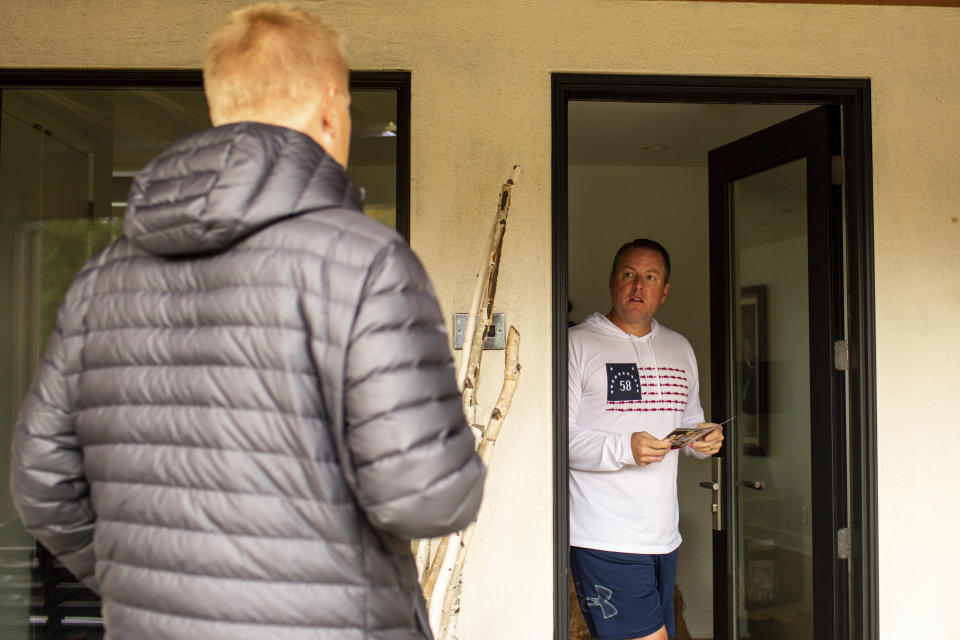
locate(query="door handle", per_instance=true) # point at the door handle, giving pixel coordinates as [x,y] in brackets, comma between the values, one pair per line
[716,506]
[753,484]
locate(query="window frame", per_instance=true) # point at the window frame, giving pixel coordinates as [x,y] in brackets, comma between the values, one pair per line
[854,97]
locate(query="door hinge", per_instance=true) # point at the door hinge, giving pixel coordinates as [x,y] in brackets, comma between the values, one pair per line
[841,355]
[837,170]
[843,543]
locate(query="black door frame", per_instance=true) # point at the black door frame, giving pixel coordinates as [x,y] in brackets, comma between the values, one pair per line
[853,97]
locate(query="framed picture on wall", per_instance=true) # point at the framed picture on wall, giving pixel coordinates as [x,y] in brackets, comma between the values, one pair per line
[753,418]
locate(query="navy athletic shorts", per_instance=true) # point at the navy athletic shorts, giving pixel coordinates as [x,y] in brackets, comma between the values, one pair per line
[625,595]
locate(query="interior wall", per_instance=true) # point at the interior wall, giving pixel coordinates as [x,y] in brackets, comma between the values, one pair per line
[609,206]
[481,103]
[781,267]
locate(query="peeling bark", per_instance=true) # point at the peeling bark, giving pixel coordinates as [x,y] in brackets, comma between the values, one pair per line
[484,292]
[511,375]
[441,561]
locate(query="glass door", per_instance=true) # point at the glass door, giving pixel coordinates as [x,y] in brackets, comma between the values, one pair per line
[772,489]
[778,298]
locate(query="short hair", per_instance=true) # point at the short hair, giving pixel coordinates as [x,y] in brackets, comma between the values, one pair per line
[642,243]
[268,59]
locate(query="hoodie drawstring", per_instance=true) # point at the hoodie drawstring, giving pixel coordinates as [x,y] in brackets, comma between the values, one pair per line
[653,359]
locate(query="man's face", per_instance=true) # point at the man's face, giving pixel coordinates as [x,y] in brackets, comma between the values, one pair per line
[637,289]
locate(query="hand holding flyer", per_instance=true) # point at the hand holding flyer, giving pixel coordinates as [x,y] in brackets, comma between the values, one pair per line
[685,435]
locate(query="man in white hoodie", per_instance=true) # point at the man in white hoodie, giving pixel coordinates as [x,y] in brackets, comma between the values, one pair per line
[631,382]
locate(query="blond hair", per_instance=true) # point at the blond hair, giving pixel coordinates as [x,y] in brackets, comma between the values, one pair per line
[268,60]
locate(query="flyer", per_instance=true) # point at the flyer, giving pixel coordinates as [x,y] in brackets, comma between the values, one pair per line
[685,435]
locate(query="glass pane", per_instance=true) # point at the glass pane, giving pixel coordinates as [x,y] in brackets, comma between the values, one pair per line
[66,160]
[772,382]
[373,150]
[19,207]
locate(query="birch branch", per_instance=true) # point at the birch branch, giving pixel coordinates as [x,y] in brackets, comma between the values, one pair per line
[484,293]
[440,561]
[433,570]
[422,550]
[480,285]
[511,375]
[446,559]
[470,356]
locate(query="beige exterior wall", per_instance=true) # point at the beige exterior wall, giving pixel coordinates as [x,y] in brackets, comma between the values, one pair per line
[481,102]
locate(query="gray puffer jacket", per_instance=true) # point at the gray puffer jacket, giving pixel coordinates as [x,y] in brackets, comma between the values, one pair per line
[247,407]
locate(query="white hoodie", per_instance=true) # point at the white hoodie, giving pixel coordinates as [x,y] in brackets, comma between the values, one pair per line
[619,384]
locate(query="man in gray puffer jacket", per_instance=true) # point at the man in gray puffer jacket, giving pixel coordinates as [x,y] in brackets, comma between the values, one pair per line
[248,407]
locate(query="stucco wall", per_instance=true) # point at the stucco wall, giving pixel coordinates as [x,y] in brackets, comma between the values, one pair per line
[481,80]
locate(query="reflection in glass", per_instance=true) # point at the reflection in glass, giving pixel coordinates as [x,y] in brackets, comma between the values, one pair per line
[67,158]
[771,452]
[373,151]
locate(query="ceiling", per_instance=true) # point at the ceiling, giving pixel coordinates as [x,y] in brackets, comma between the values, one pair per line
[662,134]
[770,206]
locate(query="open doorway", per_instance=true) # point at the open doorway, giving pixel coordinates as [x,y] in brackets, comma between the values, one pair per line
[631,160]
[642,169]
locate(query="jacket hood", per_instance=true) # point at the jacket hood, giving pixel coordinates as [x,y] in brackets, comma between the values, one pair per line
[209,190]
[599,322]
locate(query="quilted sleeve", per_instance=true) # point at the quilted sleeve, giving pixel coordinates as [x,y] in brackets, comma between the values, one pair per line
[417,474]
[47,481]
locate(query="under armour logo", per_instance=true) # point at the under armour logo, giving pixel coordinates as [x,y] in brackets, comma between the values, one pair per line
[603,601]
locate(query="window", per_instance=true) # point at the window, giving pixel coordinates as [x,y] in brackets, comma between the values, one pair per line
[70,144]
